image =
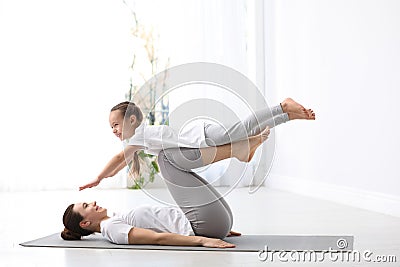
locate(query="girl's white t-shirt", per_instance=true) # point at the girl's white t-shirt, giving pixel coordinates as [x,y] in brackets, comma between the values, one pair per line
[154,138]
[156,218]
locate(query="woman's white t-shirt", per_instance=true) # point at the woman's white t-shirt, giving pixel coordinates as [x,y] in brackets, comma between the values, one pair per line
[156,138]
[156,218]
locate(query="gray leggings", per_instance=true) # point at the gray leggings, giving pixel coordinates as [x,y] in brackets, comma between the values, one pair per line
[202,204]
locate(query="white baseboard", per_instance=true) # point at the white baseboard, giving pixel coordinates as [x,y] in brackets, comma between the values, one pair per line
[373,201]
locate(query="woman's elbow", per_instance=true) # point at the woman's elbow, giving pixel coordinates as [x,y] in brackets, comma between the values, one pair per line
[161,239]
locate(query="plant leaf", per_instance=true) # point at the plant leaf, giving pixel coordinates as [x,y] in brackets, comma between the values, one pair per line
[155,166]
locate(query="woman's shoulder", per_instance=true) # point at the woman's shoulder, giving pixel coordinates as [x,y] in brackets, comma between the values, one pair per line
[156,209]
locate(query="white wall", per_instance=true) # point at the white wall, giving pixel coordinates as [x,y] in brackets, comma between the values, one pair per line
[63,65]
[342,59]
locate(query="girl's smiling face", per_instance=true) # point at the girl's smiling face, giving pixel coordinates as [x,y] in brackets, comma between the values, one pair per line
[123,128]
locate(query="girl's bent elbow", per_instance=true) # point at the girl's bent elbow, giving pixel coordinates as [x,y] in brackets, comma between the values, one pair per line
[120,156]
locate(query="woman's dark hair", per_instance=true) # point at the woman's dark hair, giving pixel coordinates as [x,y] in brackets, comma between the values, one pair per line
[72,230]
[128,109]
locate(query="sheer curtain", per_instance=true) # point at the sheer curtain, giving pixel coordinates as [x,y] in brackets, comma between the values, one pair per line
[226,32]
[64,64]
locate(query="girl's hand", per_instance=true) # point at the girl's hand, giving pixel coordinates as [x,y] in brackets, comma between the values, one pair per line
[91,184]
[216,243]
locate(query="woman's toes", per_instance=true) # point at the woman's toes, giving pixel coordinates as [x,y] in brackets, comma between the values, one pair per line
[265,133]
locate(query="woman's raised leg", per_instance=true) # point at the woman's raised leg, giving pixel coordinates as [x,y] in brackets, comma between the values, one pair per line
[205,208]
[208,212]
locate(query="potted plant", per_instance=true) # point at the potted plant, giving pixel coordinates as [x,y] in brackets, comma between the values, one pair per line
[145,64]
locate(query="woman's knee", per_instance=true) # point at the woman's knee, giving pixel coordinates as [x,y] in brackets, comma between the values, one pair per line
[215,231]
[214,221]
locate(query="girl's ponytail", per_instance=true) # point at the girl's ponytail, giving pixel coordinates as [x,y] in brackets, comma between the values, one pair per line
[136,163]
[129,108]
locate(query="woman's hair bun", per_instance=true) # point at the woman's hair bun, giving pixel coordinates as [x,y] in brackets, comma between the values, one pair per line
[69,235]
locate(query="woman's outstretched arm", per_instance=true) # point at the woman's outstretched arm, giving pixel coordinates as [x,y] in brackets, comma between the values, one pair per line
[149,237]
[117,163]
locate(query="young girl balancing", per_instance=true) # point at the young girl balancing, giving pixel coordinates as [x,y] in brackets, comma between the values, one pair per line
[203,217]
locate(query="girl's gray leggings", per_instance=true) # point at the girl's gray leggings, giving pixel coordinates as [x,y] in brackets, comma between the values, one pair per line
[205,208]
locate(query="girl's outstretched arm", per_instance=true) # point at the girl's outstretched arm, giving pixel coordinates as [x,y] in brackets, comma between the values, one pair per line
[114,165]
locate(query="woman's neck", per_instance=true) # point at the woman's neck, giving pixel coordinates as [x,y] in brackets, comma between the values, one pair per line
[97,228]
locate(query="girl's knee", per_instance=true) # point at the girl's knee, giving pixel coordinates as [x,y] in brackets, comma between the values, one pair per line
[165,156]
[184,159]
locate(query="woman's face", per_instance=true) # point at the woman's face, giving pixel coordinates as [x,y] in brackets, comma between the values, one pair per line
[121,127]
[90,211]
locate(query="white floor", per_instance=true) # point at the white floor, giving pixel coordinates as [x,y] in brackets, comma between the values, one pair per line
[27,216]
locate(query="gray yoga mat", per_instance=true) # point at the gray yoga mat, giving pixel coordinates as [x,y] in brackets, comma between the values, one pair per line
[244,243]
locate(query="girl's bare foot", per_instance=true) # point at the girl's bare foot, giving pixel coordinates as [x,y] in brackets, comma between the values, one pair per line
[291,106]
[310,115]
[296,110]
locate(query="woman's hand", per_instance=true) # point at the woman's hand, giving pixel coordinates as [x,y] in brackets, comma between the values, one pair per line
[216,243]
[91,184]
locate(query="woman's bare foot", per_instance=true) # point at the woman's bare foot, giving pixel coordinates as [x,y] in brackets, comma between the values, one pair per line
[258,140]
[296,110]
[264,134]
[243,150]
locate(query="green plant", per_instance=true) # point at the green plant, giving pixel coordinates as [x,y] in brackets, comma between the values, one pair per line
[149,163]
[145,64]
